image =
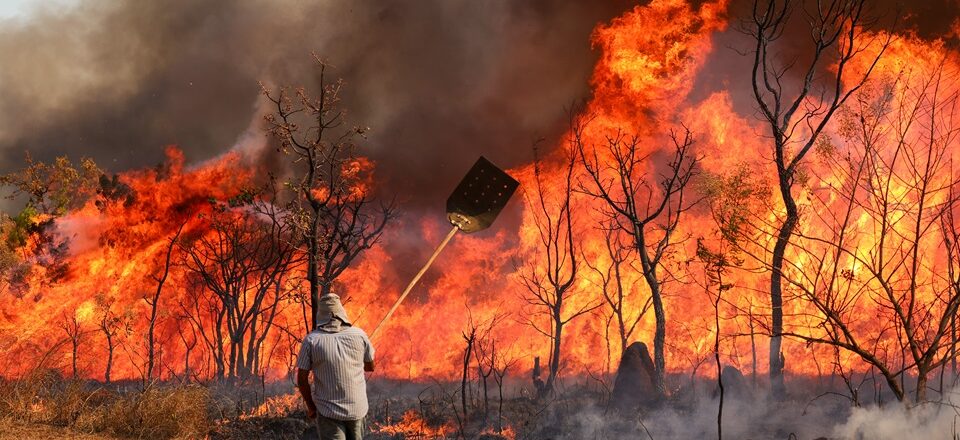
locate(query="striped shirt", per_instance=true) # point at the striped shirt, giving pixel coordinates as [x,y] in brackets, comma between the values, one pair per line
[336,359]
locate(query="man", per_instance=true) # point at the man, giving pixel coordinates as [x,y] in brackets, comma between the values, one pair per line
[338,353]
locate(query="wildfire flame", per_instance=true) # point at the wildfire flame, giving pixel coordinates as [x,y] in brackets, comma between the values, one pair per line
[411,425]
[650,59]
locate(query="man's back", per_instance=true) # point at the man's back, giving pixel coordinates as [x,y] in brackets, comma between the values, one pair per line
[337,362]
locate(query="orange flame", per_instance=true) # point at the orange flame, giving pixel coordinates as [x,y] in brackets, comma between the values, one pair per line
[650,58]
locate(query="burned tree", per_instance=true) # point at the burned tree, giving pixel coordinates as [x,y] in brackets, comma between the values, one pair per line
[616,295]
[797,115]
[730,201]
[336,216]
[648,212]
[892,199]
[74,330]
[111,324]
[548,276]
[241,259]
[153,300]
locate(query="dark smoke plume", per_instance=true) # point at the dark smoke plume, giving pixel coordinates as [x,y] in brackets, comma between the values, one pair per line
[438,82]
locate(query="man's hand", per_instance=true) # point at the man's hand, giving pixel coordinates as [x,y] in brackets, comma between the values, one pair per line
[303,384]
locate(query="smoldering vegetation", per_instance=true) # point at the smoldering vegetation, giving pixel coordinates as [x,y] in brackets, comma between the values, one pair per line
[582,408]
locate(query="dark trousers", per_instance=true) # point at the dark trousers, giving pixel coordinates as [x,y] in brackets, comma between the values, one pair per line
[332,429]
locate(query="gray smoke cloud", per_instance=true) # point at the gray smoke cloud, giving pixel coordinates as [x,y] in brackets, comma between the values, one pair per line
[757,416]
[438,82]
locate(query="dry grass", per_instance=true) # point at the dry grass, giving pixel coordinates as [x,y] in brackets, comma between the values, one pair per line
[161,412]
[18,430]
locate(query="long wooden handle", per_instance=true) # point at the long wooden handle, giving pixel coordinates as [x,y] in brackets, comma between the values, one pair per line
[415,279]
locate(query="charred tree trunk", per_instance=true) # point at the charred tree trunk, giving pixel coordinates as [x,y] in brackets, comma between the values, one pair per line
[659,336]
[313,248]
[777,359]
[753,350]
[467,355]
[110,347]
[922,378]
[554,367]
[953,348]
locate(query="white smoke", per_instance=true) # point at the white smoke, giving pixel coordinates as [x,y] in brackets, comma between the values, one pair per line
[933,420]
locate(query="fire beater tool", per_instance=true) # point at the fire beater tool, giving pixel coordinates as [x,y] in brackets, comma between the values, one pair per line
[473,206]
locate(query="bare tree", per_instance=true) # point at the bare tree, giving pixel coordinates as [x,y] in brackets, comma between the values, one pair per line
[549,276]
[189,344]
[617,295]
[335,213]
[111,324]
[647,211]
[241,259]
[153,300]
[797,114]
[870,253]
[485,355]
[500,363]
[74,330]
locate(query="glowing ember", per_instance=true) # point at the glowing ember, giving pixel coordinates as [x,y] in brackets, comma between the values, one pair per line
[412,426]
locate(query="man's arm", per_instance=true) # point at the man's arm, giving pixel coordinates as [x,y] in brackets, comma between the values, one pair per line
[367,354]
[303,384]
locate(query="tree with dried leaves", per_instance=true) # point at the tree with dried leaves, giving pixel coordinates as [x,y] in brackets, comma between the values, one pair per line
[50,190]
[335,213]
[731,199]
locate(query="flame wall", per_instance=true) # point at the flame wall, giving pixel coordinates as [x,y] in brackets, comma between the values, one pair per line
[651,61]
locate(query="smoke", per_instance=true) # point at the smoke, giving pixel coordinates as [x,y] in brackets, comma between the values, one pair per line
[438,82]
[758,417]
[930,420]
[743,418]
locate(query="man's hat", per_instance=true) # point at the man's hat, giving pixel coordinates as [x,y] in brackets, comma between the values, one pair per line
[330,307]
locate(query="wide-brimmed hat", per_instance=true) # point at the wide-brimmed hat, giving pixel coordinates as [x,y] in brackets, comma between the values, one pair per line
[329,307]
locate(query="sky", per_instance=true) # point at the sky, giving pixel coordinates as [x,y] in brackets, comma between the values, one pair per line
[20,9]
[15,8]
